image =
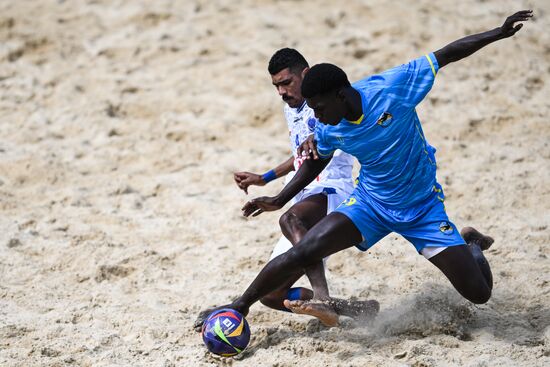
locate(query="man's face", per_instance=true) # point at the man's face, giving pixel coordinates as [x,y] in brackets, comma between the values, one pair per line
[329,108]
[289,86]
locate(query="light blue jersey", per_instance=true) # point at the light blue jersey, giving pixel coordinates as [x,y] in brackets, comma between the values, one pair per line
[397,164]
[397,189]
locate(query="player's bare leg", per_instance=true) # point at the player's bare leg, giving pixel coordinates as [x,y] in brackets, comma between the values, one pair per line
[478,242]
[275,299]
[466,266]
[295,223]
[333,233]
[272,300]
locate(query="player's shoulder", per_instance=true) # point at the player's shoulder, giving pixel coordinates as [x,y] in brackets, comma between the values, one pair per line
[371,84]
[427,61]
[375,83]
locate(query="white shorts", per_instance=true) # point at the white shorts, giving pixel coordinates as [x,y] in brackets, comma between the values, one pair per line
[336,190]
[282,246]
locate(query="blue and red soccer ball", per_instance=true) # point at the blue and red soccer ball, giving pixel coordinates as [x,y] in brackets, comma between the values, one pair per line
[225,332]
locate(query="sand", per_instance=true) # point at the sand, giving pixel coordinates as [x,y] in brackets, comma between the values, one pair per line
[122,122]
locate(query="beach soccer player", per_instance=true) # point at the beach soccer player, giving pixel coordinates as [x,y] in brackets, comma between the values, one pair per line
[375,120]
[329,189]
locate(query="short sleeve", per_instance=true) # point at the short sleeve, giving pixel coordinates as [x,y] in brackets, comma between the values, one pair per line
[324,149]
[412,81]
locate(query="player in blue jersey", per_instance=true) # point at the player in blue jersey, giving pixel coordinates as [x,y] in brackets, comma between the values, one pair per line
[334,184]
[375,120]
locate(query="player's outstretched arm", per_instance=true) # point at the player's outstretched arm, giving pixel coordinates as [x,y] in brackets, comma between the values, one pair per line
[468,45]
[307,173]
[245,179]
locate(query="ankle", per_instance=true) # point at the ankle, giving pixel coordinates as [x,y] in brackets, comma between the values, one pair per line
[241,306]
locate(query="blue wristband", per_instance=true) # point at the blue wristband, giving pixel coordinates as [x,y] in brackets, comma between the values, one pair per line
[269,176]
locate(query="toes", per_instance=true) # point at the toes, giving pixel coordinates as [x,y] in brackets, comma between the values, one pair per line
[486,242]
[201,317]
[467,233]
[293,305]
[197,325]
[296,303]
[472,235]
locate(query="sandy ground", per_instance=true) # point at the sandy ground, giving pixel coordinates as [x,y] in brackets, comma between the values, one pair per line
[121,123]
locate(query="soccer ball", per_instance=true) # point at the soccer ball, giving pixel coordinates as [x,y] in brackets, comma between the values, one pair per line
[225,332]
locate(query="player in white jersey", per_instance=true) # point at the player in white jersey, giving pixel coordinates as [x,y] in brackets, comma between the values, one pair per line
[287,68]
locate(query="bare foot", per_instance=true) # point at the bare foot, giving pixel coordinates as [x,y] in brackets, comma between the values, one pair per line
[201,318]
[472,235]
[203,315]
[324,312]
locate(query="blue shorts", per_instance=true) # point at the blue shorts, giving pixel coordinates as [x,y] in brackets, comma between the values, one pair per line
[423,225]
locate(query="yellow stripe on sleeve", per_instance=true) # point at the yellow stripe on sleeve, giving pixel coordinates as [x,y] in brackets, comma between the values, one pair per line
[431,63]
[359,120]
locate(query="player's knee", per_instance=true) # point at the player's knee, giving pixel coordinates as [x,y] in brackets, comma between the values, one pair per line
[284,221]
[482,297]
[288,221]
[479,295]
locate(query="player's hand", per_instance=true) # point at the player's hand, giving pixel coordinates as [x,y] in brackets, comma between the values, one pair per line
[308,149]
[508,29]
[245,179]
[259,205]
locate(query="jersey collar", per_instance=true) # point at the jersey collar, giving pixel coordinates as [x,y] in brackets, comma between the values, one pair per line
[299,109]
[364,106]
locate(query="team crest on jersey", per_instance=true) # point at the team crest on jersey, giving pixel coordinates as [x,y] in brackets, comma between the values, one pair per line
[446,227]
[348,202]
[385,119]
[311,122]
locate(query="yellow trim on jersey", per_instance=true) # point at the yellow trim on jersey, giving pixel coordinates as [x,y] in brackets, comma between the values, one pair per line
[421,137]
[423,140]
[431,63]
[358,121]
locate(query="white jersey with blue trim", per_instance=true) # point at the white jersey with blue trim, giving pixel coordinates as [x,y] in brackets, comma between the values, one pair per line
[301,124]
